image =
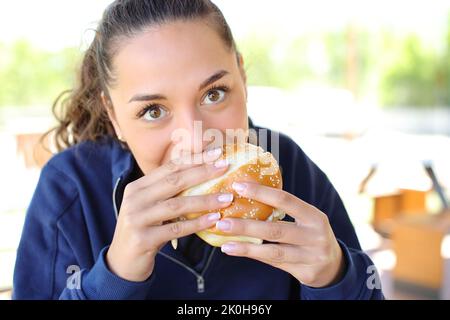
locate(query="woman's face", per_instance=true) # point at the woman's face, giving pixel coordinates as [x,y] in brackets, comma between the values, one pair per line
[171,84]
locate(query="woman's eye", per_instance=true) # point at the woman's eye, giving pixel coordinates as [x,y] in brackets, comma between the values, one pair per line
[214,96]
[153,113]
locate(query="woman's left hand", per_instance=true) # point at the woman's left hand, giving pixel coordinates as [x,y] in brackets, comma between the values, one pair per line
[307,249]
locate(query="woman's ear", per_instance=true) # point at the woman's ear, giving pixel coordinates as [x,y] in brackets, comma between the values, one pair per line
[242,71]
[241,67]
[111,115]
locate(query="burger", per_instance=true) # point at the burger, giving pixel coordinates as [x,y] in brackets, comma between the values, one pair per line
[247,163]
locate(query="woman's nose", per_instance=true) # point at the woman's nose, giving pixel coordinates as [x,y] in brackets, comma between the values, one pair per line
[188,133]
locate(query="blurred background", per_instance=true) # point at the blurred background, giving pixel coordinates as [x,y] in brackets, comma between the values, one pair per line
[362,86]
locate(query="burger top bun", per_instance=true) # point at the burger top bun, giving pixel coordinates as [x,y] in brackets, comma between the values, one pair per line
[247,163]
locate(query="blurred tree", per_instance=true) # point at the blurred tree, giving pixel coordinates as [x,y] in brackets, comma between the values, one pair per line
[269,62]
[29,76]
[351,54]
[322,58]
[418,75]
[411,79]
[443,76]
[405,70]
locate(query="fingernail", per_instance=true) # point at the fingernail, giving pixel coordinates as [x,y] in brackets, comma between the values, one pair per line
[223,225]
[228,247]
[239,187]
[214,216]
[225,197]
[214,152]
[219,164]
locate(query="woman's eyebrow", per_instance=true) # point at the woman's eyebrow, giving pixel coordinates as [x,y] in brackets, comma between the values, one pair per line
[216,76]
[147,97]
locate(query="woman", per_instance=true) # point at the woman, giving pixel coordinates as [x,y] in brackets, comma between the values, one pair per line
[156,67]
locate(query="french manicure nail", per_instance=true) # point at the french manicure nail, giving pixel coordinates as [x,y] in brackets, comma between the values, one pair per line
[225,197]
[219,164]
[214,216]
[228,247]
[214,152]
[223,225]
[239,187]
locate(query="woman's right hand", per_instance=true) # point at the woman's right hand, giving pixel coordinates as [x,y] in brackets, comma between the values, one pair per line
[149,203]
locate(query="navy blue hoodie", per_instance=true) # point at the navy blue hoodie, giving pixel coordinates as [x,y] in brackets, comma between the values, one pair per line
[71,219]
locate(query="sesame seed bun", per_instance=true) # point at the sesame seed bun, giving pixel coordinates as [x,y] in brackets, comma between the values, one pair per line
[248,163]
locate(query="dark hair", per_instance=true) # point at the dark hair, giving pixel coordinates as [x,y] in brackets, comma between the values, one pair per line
[80,112]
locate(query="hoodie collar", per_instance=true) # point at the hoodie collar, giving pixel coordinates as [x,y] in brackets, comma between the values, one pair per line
[122,162]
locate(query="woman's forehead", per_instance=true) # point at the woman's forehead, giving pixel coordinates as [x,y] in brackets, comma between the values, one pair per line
[173,57]
[176,46]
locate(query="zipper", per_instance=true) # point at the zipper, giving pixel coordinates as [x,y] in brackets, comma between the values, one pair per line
[200,276]
[116,212]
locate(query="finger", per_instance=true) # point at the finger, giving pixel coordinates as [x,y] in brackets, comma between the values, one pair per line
[274,254]
[284,232]
[277,198]
[174,183]
[185,161]
[180,229]
[178,206]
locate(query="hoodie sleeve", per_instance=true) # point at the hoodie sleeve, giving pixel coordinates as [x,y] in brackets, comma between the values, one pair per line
[309,182]
[99,283]
[49,265]
[360,280]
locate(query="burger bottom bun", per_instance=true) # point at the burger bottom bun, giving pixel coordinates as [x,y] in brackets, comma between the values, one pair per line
[217,240]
